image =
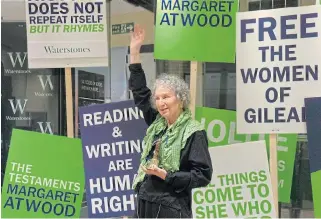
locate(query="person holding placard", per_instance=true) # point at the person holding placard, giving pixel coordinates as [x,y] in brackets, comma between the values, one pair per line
[175,158]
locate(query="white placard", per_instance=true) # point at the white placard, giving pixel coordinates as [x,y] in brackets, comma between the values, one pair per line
[241,185]
[278,65]
[66,33]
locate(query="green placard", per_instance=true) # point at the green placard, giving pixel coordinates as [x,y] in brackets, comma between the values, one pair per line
[44,177]
[122,28]
[220,126]
[316,188]
[196,30]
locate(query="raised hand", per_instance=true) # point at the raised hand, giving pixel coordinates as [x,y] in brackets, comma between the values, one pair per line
[137,39]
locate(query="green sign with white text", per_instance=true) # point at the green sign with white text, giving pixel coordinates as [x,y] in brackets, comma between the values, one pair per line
[220,126]
[316,189]
[196,30]
[44,177]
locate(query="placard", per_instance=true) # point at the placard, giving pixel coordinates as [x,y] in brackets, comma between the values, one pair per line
[278,66]
[44,177]
[112,139]
[313,111]
[66,33]
[196,30]
[240,185]
[220,126]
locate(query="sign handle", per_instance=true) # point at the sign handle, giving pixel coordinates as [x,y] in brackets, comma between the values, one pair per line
[196,80]
[274,170]
[69,107]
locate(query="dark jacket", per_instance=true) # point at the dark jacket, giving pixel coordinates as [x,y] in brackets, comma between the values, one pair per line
[195,163]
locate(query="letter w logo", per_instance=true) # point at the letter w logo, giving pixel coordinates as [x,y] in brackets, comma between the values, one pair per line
[44,84]
[17,105]
[48,127]
[17,58]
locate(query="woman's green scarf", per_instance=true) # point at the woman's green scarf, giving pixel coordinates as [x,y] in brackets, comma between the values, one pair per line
[172,142]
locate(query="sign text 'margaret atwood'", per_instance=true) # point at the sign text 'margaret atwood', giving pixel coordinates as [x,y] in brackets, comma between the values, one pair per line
[198,13]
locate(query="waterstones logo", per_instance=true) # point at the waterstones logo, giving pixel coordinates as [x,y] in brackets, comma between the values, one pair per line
[46,129]
[46,84]
[52,49]
[18,60]
[17,105]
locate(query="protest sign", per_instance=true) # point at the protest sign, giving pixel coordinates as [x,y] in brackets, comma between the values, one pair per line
[112,139]
[313,113]
[274,72]
[240,186]
[196,30]
[66,33]
[220,126]
[44,177]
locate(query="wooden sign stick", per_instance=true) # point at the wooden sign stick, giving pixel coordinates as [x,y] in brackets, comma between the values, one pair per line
[196,85]
[274,170]
[69,102]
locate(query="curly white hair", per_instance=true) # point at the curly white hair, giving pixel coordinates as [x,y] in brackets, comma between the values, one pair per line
[176,84]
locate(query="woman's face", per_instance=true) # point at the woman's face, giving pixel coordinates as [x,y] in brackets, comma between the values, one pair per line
[167,104]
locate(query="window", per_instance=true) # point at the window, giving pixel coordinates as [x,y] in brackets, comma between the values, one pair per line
[31,99]
[255,5]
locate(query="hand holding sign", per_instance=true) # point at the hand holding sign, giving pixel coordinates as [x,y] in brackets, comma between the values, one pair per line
[154,170]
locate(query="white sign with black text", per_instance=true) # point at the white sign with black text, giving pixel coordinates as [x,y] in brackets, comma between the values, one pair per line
[66,33]
[278,65]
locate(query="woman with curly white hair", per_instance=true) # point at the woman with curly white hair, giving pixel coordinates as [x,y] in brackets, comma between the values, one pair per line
[175,158]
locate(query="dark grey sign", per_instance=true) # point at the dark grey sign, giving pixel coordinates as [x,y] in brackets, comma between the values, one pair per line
[91,85]
[122,28]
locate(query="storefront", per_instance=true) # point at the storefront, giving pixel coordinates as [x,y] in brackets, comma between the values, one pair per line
[31,99]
